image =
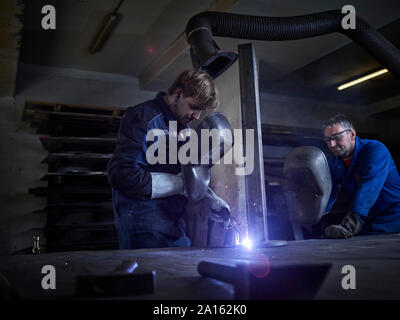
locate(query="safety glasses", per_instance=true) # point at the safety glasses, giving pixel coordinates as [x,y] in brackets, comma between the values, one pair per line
[335,137]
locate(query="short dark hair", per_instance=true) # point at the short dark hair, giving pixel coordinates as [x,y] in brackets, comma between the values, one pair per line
[197,85]
[338,119]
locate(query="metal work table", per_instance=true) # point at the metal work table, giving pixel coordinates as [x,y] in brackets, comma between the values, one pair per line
[375,258]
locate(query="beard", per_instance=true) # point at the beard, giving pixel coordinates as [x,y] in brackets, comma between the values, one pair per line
[183,120]
[339,151]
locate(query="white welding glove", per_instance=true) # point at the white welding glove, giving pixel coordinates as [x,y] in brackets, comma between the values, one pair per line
[166,184]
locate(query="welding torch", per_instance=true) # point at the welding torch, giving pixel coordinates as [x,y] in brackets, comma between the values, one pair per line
[229,223]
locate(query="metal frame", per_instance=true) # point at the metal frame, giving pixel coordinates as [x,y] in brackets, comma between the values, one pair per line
[256,202]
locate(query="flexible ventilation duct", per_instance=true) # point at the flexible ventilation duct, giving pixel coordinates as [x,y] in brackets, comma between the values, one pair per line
[207,56]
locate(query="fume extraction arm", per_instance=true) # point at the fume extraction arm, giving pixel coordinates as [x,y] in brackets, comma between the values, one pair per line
[207,56]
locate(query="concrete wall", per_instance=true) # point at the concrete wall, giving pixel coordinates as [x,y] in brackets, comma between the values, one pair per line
[297,112]
[21,151]
[20,169]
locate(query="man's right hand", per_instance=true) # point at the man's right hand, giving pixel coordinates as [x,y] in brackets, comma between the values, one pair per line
[349,227]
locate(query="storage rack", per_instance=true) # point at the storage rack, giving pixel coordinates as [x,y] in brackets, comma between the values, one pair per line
[80,140]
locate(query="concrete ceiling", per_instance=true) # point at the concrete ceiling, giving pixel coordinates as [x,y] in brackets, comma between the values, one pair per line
[319,79]
[149,27]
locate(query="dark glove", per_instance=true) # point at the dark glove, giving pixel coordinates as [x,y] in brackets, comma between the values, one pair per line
[349,227]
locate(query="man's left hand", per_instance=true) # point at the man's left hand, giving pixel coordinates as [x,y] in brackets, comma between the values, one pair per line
[219,210]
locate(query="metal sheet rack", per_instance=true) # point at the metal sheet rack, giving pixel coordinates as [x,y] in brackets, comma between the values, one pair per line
[80,140]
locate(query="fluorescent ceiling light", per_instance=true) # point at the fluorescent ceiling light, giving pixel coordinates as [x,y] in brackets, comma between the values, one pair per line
[369,76]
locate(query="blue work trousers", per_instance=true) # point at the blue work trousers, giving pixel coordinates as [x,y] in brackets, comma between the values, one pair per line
[153,223]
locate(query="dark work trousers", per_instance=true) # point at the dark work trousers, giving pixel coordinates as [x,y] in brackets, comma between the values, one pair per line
[154,223]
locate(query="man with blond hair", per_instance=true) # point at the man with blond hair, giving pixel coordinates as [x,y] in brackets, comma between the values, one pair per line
[149,199]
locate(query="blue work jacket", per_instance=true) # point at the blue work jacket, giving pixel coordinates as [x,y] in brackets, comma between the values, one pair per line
[129,172]
[371,184]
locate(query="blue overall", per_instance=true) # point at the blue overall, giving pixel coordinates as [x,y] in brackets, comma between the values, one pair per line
[143,222]
[371,185]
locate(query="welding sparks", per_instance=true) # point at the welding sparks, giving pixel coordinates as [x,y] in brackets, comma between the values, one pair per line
[247,243]
[237,238]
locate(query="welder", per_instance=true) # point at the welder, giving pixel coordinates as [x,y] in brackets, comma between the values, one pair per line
[365,172]
[149,199]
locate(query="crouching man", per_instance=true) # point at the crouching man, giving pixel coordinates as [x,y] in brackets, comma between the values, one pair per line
[367,175]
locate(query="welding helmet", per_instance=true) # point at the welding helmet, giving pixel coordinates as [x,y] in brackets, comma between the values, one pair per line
[215,139]
[307,184]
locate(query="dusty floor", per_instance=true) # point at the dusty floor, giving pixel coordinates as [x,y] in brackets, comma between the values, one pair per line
[376,260]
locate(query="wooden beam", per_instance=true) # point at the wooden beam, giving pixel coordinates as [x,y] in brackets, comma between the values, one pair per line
[176,48]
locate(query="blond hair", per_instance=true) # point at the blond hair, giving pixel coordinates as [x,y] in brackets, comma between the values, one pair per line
[198,85]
